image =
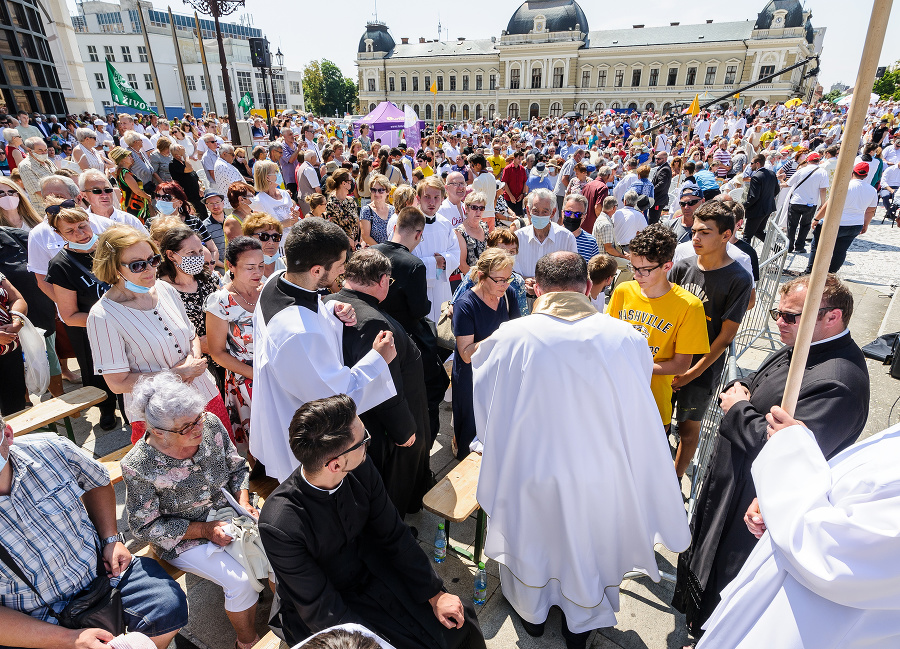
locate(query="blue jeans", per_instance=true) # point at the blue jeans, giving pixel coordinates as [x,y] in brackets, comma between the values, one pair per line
[846,235]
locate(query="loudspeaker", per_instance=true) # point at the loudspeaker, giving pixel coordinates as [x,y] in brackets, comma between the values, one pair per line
[259,53]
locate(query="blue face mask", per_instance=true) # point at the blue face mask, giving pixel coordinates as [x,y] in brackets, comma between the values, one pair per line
[270,259]
[540,222]
[81,247]
[134,288]
[166,207]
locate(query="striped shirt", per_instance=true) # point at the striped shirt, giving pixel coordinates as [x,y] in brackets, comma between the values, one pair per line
[124,339]
[46,528]
[587,245]
[724,159]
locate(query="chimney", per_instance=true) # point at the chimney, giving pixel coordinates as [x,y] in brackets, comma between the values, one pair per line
[460,38]
[708,22]
[674,24]
[421,40]
[637,26]
[404,41]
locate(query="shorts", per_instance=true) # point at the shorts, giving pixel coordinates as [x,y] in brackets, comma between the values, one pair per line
[690,402]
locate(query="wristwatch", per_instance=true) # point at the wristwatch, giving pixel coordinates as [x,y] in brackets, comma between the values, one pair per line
[120,538]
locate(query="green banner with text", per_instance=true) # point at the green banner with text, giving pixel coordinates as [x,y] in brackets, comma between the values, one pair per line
[123,94]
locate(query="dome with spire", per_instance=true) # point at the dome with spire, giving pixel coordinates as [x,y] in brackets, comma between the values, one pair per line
[378,33]
[547,16]
[792,18]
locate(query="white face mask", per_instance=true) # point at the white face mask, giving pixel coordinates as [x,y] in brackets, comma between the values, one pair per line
[40,157]
[9,202]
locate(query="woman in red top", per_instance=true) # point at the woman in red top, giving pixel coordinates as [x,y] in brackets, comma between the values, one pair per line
[15,152]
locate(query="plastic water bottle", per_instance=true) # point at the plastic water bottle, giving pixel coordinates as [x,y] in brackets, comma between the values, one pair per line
[480,584]
[440,544]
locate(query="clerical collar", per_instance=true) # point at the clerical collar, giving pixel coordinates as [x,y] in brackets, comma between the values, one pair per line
[430,219]
[281,294]
[565,305]
[326,491]
[828,340]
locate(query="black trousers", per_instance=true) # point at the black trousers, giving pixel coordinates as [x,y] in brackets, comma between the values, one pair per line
[755,227]
[12,383]
[655,214]
[799,223]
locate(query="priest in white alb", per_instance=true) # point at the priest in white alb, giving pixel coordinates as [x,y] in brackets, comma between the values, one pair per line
[297,345]
[826,572]
[576,475]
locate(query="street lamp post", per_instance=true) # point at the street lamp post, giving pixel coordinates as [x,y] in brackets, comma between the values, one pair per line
[280,58]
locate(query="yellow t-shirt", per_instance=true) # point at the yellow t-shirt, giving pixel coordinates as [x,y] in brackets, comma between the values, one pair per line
[426,171]
[672,324]
[497,163]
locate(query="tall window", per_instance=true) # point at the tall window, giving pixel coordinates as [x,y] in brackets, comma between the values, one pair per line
[513,111]
[494,83]
[558,77]
[452,111]
[295,87]
[142,54]
[601,79]
[492,111]
[440,85]
[555,109]
[477,111]
[370,84]
[465,82]
[635,78]
[245,82]
[513,79]
[427,111]
[92,53]
[620,78]
[202,82]
[452,83]
[391,84]
[465,111]
[402,84]
[585,78]
[730,74]
[148,81]
[108,51]
[710,75]
[673,76]
[654,77]
[440,111]
[126,54]
[479,82]
[535,77]
[221,83]
[101,81]
[132,81]
[415,84]
[691,77]
[427,82]
[191,82]
[766,70]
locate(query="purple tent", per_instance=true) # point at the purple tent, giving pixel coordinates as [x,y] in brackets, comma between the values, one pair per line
[385,124]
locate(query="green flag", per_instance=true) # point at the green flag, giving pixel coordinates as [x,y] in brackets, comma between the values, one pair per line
[123,94]
[246,102]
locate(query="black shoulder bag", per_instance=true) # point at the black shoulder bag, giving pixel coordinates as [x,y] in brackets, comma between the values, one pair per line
[99,606]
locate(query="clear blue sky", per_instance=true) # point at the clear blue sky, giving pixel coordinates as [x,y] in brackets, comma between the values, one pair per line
[332,29]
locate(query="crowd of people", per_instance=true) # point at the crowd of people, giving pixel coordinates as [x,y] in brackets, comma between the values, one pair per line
[293,312]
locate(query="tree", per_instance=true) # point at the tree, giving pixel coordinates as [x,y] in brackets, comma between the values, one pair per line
[888,86]
[832,96]
[327,90]
[313,87]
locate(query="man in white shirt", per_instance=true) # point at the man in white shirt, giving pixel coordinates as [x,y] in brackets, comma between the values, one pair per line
[627,181]
[162,130]
[890,182]
[542,237]
[100,196]
[452,207]
[210,157]
[450,147]
[859,208]
[809,188]
[127,121]
[225,172]
[891,153]
[565,175]
[486,183]
[628,220]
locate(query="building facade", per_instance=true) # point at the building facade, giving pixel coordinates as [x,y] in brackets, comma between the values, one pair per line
[547,62]
[106,31]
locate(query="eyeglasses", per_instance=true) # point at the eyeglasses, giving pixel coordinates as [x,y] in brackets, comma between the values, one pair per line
[476,208]
[501,280]
[367,438]
[104,190]
[570,213]
[378,190]
[688,203]
[185,429]
[54,209]
[791,318]
[265,236]
[643,271]
[11,192]
[140,265]
[164,197]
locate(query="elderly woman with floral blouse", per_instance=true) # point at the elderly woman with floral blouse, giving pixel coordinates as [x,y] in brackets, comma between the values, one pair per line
[175,476]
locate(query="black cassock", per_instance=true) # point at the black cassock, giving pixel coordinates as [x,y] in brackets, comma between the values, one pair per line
[833,404]
[347,557]
[405,471]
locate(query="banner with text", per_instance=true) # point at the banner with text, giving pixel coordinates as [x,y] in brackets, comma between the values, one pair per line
[123,93]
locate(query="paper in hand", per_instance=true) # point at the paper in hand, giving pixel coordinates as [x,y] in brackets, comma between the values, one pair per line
[237,507]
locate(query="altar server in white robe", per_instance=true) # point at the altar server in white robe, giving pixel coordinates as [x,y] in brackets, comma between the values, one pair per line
[439,249]
[826,573]
[297,345]
[578,491]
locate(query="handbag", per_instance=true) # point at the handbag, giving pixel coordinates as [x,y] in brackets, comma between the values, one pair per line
[99,606]
[34,351]
[445,337]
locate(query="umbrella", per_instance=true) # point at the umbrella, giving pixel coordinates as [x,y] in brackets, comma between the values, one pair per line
[572,114]
[290,112]
[790,103]
[844,101]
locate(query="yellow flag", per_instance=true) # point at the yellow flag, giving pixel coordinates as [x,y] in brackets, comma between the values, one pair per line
[433,87]
[694,108]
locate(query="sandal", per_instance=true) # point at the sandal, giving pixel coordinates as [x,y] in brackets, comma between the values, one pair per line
[246,645]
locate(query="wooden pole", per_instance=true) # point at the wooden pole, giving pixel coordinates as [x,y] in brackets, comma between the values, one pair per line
[881,12]
[180,62]
[157,86]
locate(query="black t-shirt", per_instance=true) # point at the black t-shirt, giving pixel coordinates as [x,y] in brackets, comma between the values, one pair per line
[682,233]
[725,293]
[754,258]
[64,272]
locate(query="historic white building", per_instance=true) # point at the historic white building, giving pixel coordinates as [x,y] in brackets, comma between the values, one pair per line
[548,62]
[106,31]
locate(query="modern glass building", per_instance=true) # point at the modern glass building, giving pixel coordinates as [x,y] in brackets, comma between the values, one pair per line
[28,78]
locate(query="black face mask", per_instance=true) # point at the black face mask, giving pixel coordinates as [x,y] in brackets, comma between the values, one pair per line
[571,223]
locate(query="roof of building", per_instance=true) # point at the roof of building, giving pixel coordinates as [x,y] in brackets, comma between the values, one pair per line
[794,17]
[382,41]
[440,48]
[671,34]
[561,16]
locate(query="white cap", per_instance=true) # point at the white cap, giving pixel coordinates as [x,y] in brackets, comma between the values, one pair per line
[99,122]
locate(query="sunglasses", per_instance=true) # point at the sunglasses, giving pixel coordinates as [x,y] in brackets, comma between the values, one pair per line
[265,236]
[105,190]
[164,197]
[367,438]
[140,265]
[477,208]
[687,203]
[572,214]
[186,429]
[11,192]
[791,318]
[54,209]
[378,190]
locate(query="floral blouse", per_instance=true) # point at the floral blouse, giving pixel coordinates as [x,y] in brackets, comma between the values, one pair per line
[345,214]
[474,247]
[194,302]
[239,341]
[165,494]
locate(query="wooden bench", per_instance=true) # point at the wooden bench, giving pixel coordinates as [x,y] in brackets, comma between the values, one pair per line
[44,415]
[453,498]
[269,641]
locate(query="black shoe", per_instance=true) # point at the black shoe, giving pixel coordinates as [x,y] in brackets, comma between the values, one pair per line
[108,420]
[800,251]
[573,640]
[790,249]
[534,630]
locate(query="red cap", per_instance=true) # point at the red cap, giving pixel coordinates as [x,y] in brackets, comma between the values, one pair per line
[814,157]
[861,169]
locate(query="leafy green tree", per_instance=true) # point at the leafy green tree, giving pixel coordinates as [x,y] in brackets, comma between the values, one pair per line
[313,88]
[832,96]
[888,86]
[339,91]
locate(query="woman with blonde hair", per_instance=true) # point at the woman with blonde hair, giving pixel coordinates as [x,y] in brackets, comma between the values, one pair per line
[270,198]
[473,231]
[317,204]
[16,210]
[268,231]
[374,216]
[140,326]
[404,196]
[341,208]
[85,155]
[476,315]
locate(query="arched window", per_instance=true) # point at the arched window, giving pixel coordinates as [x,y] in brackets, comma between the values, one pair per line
[477,111]
[465,111]
[514,111]
[555,109]
[491,111]
[534,111]
[416,108]
[614,105]
[599,107]
[650,106]
[371,107]
[583,108]
[667,107]
[427,111]
[440,112]
[632,106]
[452,111]
[536,73]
